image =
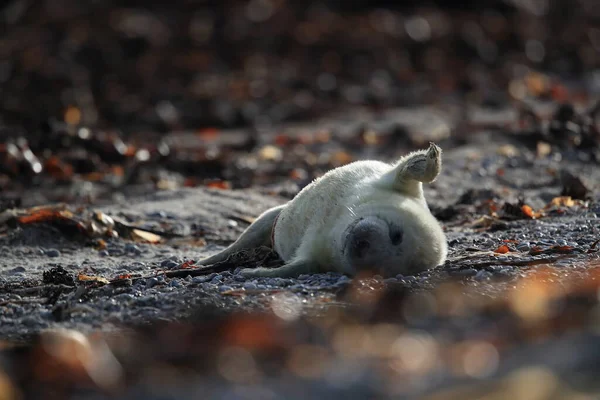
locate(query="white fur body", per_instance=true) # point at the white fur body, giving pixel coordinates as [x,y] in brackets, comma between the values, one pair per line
[311,226]
[364,215]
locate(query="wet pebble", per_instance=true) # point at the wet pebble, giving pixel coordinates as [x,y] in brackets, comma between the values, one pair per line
[169,264]
[273,281]
[464,272]
[523,246]
[203,278]
[483,275]
[225,288]
[488,244]
[132,248]
[17,270]
[52,253]
[103,253]
[30,321]
[145,301]
[151,282]
[503,271]
[138,265]
[389,281]
[158,214]
[175,283]
[124,297]
[249,286]
[563,263]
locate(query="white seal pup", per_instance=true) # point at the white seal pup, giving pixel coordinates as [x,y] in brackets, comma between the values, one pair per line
[366,215]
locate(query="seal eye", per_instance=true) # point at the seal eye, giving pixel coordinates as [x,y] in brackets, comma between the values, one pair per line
[395,236]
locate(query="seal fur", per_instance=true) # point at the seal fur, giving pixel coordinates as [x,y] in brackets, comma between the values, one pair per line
[366,215]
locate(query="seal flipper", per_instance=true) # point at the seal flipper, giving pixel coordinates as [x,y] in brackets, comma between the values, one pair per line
[411,171]
[256,235]
[290,270]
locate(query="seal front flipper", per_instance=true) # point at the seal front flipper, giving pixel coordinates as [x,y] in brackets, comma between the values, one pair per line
[291,270]
[412,170]
[256,235]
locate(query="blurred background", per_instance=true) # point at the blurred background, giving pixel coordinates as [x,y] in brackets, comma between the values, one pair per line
[158,66]
[86,84]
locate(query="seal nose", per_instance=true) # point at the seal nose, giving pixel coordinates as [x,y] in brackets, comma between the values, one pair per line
[360,247]
[363,238]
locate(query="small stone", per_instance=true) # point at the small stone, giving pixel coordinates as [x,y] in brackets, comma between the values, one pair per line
[274,281]
[563,263]
[103,253]
[225,288]
[483,275]
[17,270]
[157,214]
[175,283]
[138,265]
[151,282]
[464,272]
[203,279]
[52,253]
[132,248]
[389,281]
[523,246]
[30,321]
[170,264]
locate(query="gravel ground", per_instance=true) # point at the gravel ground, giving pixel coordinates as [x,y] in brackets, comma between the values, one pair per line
[555,249]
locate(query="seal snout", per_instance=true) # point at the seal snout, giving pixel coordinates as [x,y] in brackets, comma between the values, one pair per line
[360,247]
[371,239]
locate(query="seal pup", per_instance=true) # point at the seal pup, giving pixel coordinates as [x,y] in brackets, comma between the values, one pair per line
[365,215]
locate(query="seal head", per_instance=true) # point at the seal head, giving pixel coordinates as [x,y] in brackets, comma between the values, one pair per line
[393,241]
